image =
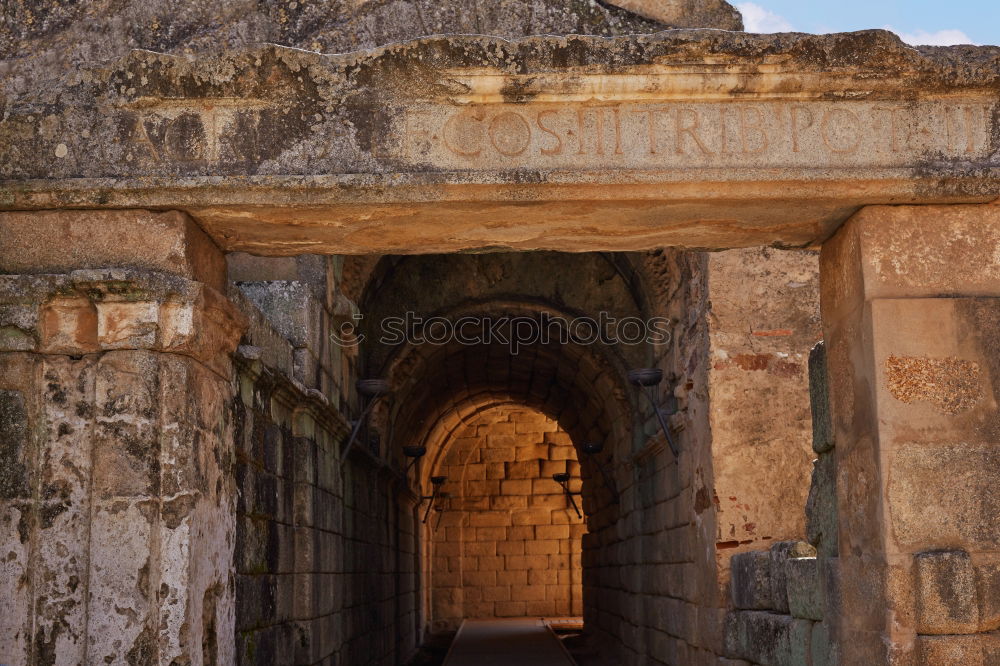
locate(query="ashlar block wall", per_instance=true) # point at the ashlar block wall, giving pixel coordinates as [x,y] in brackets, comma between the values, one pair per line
[507,541]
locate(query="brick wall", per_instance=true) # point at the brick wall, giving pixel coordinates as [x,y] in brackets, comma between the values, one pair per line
[507,543]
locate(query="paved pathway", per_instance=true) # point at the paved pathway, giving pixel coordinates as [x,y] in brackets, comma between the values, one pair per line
[516,642]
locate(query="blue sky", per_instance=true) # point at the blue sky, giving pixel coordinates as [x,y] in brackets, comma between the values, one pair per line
[917,21]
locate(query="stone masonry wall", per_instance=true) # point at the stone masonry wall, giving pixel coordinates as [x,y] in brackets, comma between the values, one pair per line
[764,320]
[326,546]
[786,600]
[656,572]
[641,555]
[321,576]
[781,608]
[507,543]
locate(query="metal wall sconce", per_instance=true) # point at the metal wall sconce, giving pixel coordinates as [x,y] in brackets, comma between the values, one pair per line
[436,482]
[563,480]
[647,378]
[370,390]
[414,453]
[440,512]
[593,449]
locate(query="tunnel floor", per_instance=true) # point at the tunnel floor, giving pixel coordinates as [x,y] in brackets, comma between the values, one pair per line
[522,641]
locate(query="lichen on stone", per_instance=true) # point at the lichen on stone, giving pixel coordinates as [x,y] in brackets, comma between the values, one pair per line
[952,385]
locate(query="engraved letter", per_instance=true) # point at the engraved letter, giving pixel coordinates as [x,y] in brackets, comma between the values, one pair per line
[893,127]
[970,144]
[557,150]
[453,127]
[954,138]
[851,145]
[185,138]
[599,129]
[140,135]
[796,127]
[689,128]
[651,124]
[618,129]
[510,134]
[723,131]
[747,126]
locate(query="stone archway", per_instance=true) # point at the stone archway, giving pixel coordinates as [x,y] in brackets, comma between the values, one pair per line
[127,417]
[507,542]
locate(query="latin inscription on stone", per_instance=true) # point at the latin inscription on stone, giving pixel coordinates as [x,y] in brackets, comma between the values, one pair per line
[671,135]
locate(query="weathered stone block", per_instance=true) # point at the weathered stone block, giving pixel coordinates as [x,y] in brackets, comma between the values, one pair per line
[751,580]
[946,598]
[805,599]
[822,647]
[988,587]
[799,643]
[819,400]
[967,650]
[291,308]
[168,241]
[701,13]
[120,607]
[761,637]
[918,475]
[14,477]
[16,607]
[830,583]
[781,552]
[126,439]
[66,324]
[821,506]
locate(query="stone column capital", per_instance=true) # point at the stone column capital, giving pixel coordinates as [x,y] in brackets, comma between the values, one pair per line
[101,309]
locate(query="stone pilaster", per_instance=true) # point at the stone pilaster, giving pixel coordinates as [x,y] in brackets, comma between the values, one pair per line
[912,325]
[116,491]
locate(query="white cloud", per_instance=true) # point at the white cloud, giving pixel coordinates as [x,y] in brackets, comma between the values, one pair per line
[758,19]
[939,38]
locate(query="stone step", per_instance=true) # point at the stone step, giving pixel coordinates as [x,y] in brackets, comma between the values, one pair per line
[521,641]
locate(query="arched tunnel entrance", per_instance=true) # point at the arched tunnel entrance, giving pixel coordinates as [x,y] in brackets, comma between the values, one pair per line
[505,542]
[500,427]
[503,401]
[512,471]
[507,469]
